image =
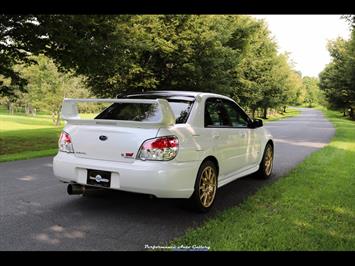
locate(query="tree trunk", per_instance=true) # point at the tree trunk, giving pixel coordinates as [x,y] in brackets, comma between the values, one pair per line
[253,113]
[265,113]
[351,113]
[57,122]
[285,109]
[30,109]
[53,118]
[11,108]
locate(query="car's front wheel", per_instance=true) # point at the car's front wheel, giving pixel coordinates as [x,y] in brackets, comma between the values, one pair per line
[205,187]
[265,168]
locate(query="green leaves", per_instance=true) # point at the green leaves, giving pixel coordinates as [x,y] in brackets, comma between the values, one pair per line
[229,54]
[338,77]
[47,86]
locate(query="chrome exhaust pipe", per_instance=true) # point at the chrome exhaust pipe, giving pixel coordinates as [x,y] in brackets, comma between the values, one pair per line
[75,189]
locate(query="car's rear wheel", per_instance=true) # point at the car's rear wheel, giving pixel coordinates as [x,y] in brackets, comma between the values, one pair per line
[205,187]
[265,168]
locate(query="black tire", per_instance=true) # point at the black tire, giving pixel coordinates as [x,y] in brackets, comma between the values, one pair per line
[199,202]
[265,170]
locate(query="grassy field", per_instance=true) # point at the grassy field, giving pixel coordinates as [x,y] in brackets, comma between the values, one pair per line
[24,137]
[312,208]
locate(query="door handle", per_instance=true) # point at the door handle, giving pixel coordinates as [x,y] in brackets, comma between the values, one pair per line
[216,136]
[242,134]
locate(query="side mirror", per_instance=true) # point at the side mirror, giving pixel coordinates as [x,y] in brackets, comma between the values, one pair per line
[256,123]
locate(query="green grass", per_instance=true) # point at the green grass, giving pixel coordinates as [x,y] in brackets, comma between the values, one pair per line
[28,155]
[312,208]
[290,112]
[24,137]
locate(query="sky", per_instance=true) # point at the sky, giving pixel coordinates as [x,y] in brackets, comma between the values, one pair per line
[305,38]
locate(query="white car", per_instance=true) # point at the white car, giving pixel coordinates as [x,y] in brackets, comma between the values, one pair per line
[170,144]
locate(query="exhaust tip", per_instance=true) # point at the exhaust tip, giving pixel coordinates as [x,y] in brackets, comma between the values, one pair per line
[75,189]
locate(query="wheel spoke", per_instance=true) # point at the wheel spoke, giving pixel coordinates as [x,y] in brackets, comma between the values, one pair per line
[205,201]
[204,176]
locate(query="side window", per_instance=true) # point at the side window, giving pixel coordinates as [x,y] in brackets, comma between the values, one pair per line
[212,118]
[236,116]
[215,114]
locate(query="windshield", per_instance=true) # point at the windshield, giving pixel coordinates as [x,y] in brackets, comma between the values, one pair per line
[142,112]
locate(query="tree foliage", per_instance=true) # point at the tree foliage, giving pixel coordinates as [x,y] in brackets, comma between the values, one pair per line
[338,77]
[47,87]
[313,94]
[118,54]
[19,36]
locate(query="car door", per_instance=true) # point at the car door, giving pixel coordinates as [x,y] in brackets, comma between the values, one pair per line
[249,143]
[228,139]
[239,138]
[216,134]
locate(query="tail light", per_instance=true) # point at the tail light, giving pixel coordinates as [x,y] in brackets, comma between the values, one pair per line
[65,143]
[159,149]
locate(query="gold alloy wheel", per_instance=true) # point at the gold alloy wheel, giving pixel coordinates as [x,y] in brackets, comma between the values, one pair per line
[268,160]
[207,186]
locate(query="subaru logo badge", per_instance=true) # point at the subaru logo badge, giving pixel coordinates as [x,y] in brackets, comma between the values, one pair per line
[103,138]
[98,178]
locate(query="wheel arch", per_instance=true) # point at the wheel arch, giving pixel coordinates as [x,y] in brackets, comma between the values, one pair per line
[271,142]
[262,149]
[212,159]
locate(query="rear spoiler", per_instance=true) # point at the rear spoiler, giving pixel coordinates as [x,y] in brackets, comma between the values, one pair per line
[70,113]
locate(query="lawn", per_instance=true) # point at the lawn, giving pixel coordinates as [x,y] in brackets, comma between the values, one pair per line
[290,112]
[312,208]
[24,137]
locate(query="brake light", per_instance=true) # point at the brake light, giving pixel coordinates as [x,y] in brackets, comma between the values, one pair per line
[65,143]
[159,149]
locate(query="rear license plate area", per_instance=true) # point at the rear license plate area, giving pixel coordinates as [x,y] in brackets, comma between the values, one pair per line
[98,178]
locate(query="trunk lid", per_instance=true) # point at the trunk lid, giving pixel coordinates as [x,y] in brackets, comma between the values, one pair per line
[110,143]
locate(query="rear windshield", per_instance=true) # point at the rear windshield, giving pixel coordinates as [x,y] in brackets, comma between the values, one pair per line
[142,112]
[145,112]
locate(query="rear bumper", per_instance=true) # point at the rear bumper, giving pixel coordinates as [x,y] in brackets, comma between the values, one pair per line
[163,179]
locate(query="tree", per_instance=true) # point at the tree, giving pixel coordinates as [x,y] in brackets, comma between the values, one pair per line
[47,86]
[119,54]
[350,19]
[19,37]
[336,80]
[81,43]
[263,76]
[253,72]
[350,71]
[312,90]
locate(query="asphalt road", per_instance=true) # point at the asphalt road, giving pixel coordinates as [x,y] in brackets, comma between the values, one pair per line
[37,214]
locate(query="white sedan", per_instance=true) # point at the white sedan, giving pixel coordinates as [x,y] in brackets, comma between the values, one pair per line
[170,144]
